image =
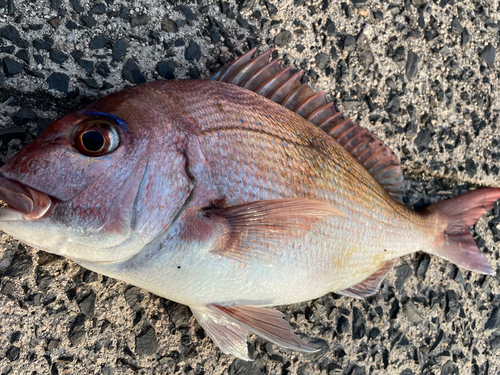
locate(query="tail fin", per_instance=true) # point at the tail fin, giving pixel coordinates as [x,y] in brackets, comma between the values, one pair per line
[461,212]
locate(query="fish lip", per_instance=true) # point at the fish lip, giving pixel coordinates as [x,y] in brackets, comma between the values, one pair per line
[24,202]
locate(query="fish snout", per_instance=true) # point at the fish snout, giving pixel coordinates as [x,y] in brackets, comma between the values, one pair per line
[23,202]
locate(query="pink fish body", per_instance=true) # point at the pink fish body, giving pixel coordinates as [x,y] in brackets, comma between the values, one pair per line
[213,196]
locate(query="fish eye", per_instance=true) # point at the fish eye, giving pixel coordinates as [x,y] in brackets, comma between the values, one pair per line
[96,137]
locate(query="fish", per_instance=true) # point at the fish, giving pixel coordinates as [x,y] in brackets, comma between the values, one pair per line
[229,195]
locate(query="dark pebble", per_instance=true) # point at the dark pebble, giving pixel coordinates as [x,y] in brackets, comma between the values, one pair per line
[342,324]
[453,307]
[102,69]
[488,55]
[321,60]
[89,277]
[470,167]
[393,105]
[179,315]
[349,43]
[456,26]
[14,337]
[168,25]
[77,55]
[12,67]
[403,273]
[87,65]
[88,21]
[146,343]
[70,25]
[7,49]
[465,37]
[58,56]
[23,116]
[411,64]
[99,42]
[358,324]
[87,305]
[99,9]
[2,78]
[179,43]
[14,132]
[119,49]
[77,6]
[271,9]
[166,69]
[188,13]
[23,55]
[132,73]
[77,337]
[9,32]
[495,342]
[423,139]
[36,27]
[142,20]
[12,353]
[423,266]
[193,52]
[449,368]
[133,297]
[378,15]
[21,265]
[394,310]
[330,27]
[58,82]
[42,44]
[282,38]
[241,367]
[493,321]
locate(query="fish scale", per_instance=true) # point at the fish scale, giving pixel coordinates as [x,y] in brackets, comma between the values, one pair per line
[211,195]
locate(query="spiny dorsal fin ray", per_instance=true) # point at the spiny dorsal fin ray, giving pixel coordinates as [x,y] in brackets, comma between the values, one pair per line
[282,86]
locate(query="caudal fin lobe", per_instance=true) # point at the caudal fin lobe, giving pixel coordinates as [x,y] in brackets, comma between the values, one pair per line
[458,245]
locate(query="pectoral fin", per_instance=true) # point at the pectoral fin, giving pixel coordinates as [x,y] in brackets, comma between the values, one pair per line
[228,328]
[254,230]
[371,285]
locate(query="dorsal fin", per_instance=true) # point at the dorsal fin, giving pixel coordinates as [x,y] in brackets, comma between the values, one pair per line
[282,86]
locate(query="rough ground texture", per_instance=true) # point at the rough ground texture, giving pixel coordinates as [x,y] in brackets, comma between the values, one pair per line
[422,75]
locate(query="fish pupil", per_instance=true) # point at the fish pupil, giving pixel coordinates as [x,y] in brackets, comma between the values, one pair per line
[93,141]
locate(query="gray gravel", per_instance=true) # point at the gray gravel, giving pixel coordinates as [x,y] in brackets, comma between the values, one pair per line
[423,76]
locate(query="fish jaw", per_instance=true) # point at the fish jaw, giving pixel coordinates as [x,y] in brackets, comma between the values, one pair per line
[25,203]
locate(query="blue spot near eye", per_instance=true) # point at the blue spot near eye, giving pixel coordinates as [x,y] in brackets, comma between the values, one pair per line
[279,120]
[284,144]
[217,102]
[296,133]
[240,120]
[122,124]
[259,124]
[337,168]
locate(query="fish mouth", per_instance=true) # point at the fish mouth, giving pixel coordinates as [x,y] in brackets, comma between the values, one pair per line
[24,202]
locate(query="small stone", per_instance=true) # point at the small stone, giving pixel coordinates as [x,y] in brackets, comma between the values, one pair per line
[168,25]
[12,67]
[57,56]
[449,368]
[21,265]
[242,367]
[488,55]
[282,38]
[7,49]
[87,305]
[321,60]
[330,27]
[146,343]
[495,342]
[493,321]
[271,9]
[465,37]
[99,9]
[188,13]
[88,21]
[358,324]
[87,65]
[403,272]
[423,139]
[58,82]
[77,6]
[453,307]
[9,32]
[103,69]
[55,22]
[393,105]
[193,52]
[349,43]
[70,25]
[42,44]
[2,78]
[378,15]
[12,353]
[23,55]
[423,266]
[141,20]
[14,337]
[133,297]
[166,69]
[23,116]
[411,312]
[342,324]
[411,64]
[132,73]
[119,49]
[100,41]
[77,55]
[470,167]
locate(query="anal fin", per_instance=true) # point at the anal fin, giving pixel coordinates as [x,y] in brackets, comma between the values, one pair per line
[228,328]
[371,285]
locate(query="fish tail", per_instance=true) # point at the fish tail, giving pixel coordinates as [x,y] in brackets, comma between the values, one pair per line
[456,243]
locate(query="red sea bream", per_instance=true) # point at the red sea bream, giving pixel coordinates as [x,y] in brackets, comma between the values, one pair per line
[230,196]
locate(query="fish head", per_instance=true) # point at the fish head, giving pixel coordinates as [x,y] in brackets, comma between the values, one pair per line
[97,184]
